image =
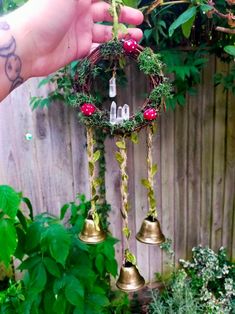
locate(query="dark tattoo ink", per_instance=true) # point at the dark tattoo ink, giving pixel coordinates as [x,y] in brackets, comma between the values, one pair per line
[8,49]
[13,64]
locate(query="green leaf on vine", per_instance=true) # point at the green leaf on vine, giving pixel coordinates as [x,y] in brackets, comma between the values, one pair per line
[96,156]
[134,137]
[154,170]
[119,158]
[121,144]
[182,19]
[146,183]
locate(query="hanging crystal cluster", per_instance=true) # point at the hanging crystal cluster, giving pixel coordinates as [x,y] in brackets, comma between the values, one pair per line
[120,114]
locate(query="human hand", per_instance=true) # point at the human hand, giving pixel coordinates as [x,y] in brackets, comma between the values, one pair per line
[55,32]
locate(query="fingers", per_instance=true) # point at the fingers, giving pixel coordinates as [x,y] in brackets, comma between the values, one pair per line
[102,33]
[100,12]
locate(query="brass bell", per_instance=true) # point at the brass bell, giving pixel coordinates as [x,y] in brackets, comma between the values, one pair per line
[129,279]
[150,232]
[90,233]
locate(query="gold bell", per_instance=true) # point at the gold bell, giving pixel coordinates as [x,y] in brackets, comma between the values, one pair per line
[90,233]
[129,278]
[150,232]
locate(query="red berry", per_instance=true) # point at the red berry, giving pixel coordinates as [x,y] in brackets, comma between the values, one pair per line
[130,45]
[150,114]
[88,109]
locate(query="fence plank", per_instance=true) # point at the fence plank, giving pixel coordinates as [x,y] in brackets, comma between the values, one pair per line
[194,149]
[218,162]
[208,107]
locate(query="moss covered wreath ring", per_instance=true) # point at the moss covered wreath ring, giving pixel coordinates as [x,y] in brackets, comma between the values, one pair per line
[119,121]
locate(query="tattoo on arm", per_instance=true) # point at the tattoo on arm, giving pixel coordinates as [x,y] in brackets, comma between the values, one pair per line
[13,62]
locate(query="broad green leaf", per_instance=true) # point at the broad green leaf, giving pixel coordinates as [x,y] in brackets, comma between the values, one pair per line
[22,220]
[51,267]
[205,8]
[112,267]
[21,236]
[30,262]
[96,156]
[121,145]
[57,240]
[38,278]
[99,263]
[187,26]
[183,18]
[74,291]
[98,299]
[230,50]
[60,304]
[63,211]
[29,205]
[9,201]
[33,236]
[131,3]
[8,240]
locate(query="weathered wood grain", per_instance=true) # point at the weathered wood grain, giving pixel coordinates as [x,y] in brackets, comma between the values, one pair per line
[194,149]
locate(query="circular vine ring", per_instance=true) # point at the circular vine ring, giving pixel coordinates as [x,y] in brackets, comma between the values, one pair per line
[93,114]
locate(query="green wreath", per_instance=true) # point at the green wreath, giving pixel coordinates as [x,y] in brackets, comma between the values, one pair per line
[93,114]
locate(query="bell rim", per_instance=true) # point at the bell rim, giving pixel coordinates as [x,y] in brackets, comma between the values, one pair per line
[150,240]
[126,289]
[87,239]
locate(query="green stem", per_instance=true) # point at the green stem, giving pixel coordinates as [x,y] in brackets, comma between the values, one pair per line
[115,20]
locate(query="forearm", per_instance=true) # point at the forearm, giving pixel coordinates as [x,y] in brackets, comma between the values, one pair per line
[14,64]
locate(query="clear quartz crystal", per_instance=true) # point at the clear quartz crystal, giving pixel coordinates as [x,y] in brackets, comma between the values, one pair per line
[112,87]
[119,115]
[126,112]
[113,113]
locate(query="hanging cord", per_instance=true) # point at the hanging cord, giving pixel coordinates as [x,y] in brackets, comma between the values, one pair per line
[121,157]
[152,169]
[92,158]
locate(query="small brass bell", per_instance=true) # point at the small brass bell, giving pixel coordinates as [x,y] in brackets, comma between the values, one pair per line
[90,233]
[150,232]
[129,279]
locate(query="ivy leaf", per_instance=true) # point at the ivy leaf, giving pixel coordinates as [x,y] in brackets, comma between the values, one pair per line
[183,18]
[57,240]
[9,201]
[119,158]
[121,145]
[51,267]
[187,27]
[154,170]
[8,240]
[29,205]
[91,168]
[96,156]
[146,183]
[134,137]
[30,262]
[127,232]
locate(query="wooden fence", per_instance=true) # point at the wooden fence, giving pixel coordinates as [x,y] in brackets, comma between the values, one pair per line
[194,149]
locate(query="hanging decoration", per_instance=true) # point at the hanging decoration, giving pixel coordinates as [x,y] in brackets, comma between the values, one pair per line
[129,278]
[150,231]
[121,123]
[92,232]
